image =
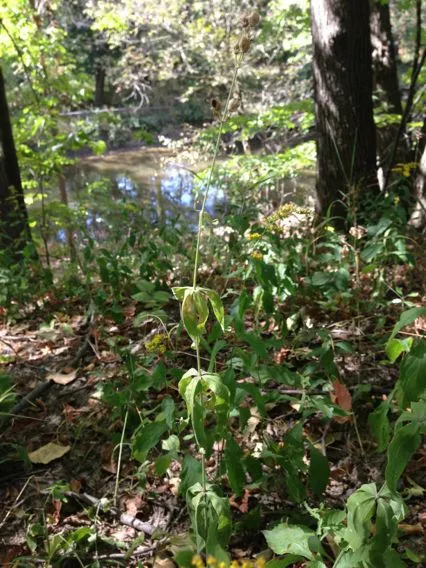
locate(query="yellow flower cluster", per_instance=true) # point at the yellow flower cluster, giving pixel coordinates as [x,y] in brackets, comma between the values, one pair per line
[257,255]
[212,562]
[405,169]
[158,344]
[254,236]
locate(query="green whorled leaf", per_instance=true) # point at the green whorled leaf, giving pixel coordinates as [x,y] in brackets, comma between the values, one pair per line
[190,388]
[395,347]
[412,377]
[402,447]
[233,461]
[319,471]
[361,506]
[179,292]
[406,318]
[386,526]
[217,306]
[195,312]
[146,437]
[379,425]
[316,564]
[287,539]
[220,402]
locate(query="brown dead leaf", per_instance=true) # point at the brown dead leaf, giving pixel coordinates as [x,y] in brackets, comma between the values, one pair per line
[343,398]
[57,505]
[75,485]
[133,505]
[48,453]
[62,378]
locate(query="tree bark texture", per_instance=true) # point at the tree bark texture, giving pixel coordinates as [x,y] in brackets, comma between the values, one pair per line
[14,228]
[346,134]
[385,71]
[385,81]
[418,217]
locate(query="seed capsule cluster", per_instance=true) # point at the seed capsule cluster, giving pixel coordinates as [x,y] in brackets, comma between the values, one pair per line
[242,45]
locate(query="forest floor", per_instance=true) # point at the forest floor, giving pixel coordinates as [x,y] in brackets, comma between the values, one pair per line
[56,345]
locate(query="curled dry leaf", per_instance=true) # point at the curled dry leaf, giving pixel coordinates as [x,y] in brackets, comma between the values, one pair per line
[62,378]
[48,453]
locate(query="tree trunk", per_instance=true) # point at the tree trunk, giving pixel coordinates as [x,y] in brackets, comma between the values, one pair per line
[14,228]
[418,217]
[385,81]
[385,76]
[346,134]
[100,87]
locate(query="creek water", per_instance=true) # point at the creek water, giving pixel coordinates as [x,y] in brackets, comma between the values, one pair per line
[155,185]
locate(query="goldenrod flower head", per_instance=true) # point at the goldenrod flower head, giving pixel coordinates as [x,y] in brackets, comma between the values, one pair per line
[257,255]
[254,236]
[158,344]
[197,561]
[211,561]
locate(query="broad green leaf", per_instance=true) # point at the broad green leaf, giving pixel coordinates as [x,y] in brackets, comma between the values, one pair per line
[195,312]
[361,506]
[289,560]
[162,463]
[190,387]
[412,377]
[287,539]
[217,306]
[233,461]
[319,471]
[146,437]
[190,475]
[179,292]
[395,347]
[402,447]
[379,425]
[406,318]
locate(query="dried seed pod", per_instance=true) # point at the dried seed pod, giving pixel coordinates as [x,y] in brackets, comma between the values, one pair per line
[216,107]
[245,21]
[234,104]
[244,44]
[253,18]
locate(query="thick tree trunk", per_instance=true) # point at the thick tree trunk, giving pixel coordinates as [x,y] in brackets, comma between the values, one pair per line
[418,217]
[14,228]
[385,71]
[385,81]
[346,135]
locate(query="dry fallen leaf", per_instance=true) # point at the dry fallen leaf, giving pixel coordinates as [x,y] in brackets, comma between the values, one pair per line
[62,378]
[48,453]
[342,397]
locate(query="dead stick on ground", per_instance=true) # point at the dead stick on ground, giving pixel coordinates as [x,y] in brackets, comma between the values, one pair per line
[124,518]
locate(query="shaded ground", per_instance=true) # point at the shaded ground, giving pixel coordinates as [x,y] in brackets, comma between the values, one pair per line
[40,502]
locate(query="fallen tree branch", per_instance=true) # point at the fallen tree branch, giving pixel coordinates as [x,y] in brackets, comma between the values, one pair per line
[123,518]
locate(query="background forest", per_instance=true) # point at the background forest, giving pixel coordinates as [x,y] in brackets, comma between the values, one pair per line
[212,283]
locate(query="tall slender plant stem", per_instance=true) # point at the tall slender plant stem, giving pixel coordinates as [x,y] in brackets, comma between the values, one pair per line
[209,179]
